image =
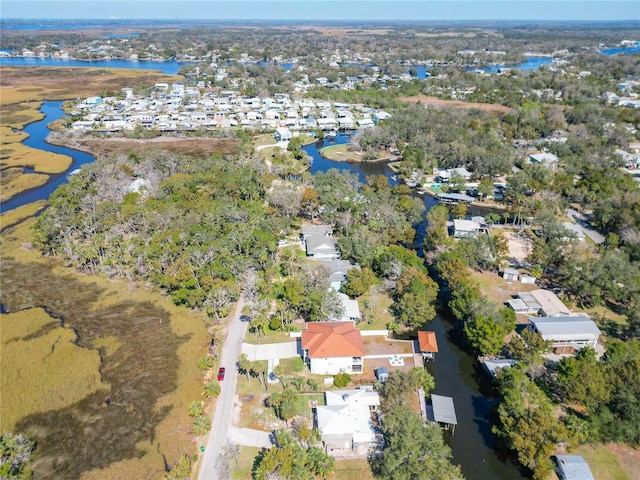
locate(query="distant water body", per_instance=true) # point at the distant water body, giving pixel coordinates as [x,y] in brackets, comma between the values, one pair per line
[168,68]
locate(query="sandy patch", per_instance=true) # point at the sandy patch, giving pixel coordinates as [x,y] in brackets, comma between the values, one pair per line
[427,100]
[520,247]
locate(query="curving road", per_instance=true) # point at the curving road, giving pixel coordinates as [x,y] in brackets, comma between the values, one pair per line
[210,464]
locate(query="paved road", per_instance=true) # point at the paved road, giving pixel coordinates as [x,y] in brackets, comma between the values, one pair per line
[580,219]
[209,466]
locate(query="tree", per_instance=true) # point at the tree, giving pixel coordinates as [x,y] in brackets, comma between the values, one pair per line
[341,380]
[528,348]
[196,409]
[485,335]
[436,235]
[358,281]
[485,187]
[412,450]
[244,365]
[181,470]
[583,379]
[284,404]
[201,425]
[15,452]
[212,389]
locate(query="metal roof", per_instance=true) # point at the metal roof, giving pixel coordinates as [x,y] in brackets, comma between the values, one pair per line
[574,467]
[443,409]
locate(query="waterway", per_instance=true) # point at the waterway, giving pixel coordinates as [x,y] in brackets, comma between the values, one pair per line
[473,444]
[38,131]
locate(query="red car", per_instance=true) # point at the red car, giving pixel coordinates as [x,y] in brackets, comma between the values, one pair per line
[221,371]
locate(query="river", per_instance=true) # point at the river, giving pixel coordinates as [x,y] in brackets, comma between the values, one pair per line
[473,444]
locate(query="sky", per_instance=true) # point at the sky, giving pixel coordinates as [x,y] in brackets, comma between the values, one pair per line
[367,10]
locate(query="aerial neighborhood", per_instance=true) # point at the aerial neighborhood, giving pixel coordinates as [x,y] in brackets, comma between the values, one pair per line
[320,251]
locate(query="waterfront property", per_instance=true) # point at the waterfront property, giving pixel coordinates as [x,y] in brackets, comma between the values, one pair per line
[452,198]
[566,333]
[333,347]
[428,344]
[442,411]
[346,421]
[539,302]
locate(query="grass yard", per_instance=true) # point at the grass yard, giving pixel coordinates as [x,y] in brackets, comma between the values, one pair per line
[376,308]
[496,288]
[264,139]
[242,467]
[604,463]
[356,469]
[269,336]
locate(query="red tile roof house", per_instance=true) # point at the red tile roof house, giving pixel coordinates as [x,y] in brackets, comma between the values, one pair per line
[333,347]
[428,344]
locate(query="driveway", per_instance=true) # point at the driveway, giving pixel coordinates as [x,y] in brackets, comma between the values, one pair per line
[272,351]
[210,464]
[248,437]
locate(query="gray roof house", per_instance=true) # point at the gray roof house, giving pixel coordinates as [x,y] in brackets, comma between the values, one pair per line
[319,242]
[338,271]
[465,228]
[567,333]
[573,467]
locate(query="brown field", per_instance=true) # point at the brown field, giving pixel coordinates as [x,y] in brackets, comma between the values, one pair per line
[194,146]
[52,83]
[487,107]
[147,369]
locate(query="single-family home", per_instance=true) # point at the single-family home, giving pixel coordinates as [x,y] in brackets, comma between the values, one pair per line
[546,159]
[539,302]
[573,467]
[350,309]
[345,421]
[380,116]
[567,333]
[283,134]
[333,347]
[319,242]
[465,228]
[337,270]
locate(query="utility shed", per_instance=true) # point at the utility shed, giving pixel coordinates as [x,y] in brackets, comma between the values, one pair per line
[573,467]
[443,411]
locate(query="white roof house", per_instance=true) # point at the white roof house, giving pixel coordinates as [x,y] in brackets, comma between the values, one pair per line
[566,333]
[465,228]
[345,421]
[545,159]
[573,467]
[351,309]
[541,302]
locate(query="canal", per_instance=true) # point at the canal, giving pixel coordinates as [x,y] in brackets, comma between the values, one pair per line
[473,444]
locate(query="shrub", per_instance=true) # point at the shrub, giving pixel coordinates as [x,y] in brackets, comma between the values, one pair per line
[212,389]
[297,365]
[342,380]
[196,409]
[205,363]
[201,425]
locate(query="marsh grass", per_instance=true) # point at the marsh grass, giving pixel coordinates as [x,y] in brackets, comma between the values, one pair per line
[21,183]
[8,135]
[16,113]
[17,154]
[148,352]
[42,367]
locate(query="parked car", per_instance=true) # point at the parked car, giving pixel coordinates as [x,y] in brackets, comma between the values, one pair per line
[221,371]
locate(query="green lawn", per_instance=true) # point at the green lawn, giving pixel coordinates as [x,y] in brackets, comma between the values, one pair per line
[380,315]
[241,468]
[603,463]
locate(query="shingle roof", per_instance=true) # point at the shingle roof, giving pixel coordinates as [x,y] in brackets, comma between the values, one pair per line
[332,339]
